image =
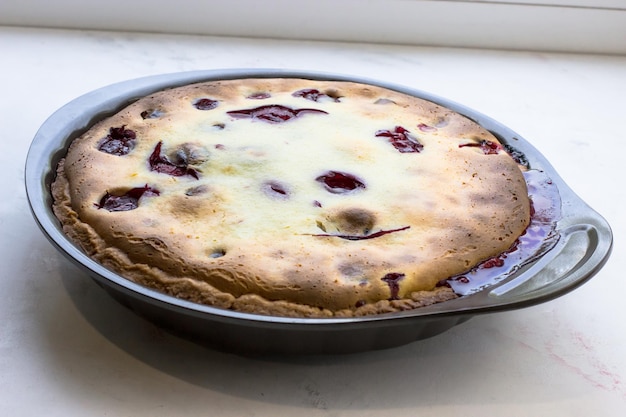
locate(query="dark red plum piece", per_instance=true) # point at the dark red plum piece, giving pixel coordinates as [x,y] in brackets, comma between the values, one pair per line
[393,281]
[127,201]
[275,189]
[161,164]
[313,94]
[273,113]
[426,128]
[364,237]
[402,140]
[488,147]
[205,104]
[340,182]
[120,141]
[517,155]
[491,148]
[462,279]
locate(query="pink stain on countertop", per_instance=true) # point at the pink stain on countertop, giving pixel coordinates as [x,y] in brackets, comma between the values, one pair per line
[579,357]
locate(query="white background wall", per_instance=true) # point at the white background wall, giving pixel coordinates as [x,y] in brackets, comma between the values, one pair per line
[596,26]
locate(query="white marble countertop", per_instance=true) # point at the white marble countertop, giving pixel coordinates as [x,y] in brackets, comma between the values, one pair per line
[67,349]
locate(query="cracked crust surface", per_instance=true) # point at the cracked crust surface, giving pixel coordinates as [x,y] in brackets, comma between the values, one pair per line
[255,229]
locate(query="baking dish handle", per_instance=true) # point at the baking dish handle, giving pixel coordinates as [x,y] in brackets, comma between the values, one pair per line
[583,247]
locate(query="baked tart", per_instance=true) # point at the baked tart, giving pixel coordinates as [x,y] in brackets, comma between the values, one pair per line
[292,197]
